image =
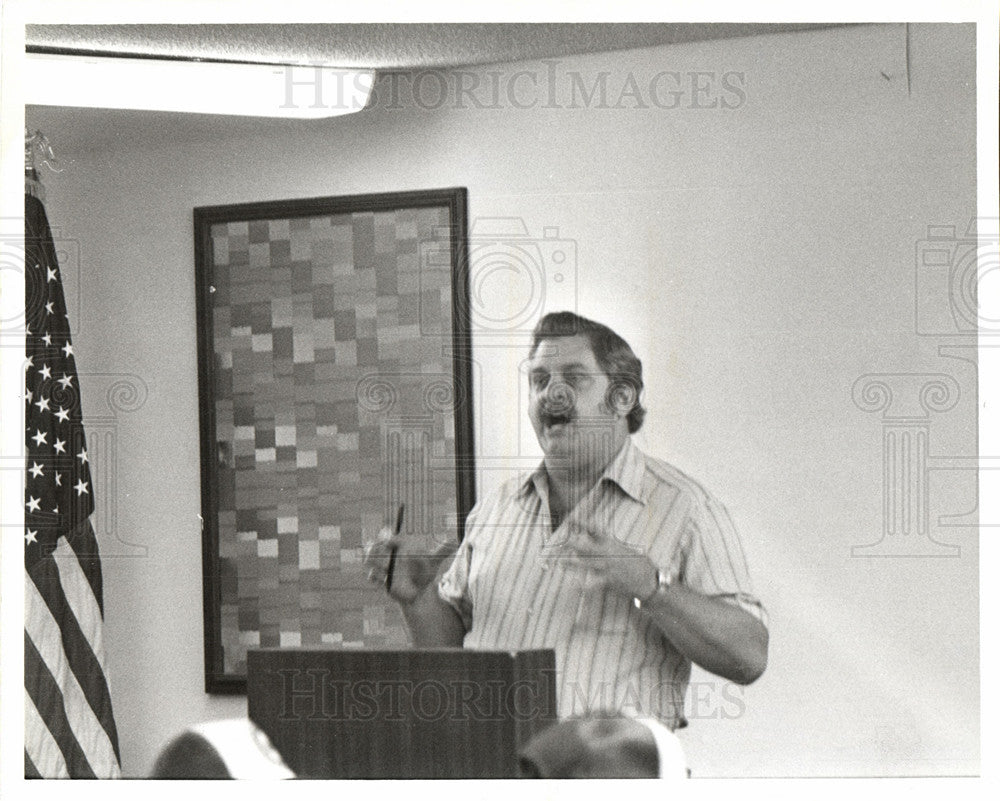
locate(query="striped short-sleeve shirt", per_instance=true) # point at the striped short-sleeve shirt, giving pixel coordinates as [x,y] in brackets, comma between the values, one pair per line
[507,583]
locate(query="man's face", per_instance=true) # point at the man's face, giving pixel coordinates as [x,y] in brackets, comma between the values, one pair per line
[567,403]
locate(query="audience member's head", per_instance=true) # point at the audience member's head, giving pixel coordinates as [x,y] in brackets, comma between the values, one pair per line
[221,749]
[604,748]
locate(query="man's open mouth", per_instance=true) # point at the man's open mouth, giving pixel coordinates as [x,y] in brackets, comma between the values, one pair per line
[551,420]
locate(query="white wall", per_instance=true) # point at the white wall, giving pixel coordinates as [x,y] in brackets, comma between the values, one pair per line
[761,259]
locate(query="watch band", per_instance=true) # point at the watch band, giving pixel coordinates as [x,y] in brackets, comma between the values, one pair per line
[663,581]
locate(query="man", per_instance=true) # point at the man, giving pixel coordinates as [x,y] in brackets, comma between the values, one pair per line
[622,564]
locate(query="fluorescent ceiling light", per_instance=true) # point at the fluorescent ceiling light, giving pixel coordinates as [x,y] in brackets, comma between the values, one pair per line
[199,87]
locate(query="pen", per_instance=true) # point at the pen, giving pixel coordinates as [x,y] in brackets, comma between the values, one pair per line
[392,552]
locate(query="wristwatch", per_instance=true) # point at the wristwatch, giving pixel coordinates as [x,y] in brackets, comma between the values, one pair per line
[663,581]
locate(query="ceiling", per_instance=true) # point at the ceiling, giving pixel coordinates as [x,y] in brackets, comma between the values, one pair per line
[384,46]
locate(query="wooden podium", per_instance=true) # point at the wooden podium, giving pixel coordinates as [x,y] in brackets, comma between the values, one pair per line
[417,714]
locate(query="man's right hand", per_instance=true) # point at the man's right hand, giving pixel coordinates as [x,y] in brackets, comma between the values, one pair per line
[414,568]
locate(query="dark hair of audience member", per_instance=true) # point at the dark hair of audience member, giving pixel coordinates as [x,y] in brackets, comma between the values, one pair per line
[189,756]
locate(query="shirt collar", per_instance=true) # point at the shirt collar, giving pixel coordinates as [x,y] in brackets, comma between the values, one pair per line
[626,470]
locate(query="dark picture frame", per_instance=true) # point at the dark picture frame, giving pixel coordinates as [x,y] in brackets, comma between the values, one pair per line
[335,382]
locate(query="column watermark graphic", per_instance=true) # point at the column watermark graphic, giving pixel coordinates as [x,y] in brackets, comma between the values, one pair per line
[121,394]
[412,412]
[906,402]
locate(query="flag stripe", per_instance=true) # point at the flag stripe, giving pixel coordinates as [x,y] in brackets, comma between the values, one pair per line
[39,746]
[79,595]
[84,544]
[76,646]
[30,771]
[43,630]
[88,614]
[48,700]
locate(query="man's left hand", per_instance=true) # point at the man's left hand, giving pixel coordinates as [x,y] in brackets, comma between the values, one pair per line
[610,563]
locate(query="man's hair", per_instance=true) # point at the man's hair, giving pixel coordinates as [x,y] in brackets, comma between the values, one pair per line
[614,355]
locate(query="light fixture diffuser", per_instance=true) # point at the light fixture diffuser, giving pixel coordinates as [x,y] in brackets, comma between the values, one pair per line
[201,87]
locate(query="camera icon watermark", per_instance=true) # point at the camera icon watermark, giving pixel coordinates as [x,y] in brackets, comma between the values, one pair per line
[515,276]
[957,280]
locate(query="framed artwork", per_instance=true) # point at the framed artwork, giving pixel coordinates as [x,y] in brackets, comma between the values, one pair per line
[335,383]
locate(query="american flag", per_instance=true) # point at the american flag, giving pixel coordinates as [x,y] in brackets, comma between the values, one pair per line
[69,726]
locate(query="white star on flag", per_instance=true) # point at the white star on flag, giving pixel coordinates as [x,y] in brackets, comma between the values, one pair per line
[33,505]
[31,536]
[50,274]
[58,479]
[62,414]
[40,438]
[43,404]
[47,339]
[65,381]
[82,456]
[48,307]
[36,470]
[46,371]
[67,349]
[81,487]
[60,446]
